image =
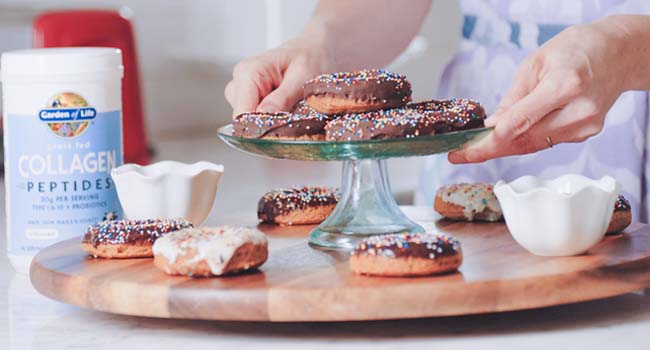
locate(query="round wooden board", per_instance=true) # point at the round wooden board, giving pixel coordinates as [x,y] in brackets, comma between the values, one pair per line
[300,283]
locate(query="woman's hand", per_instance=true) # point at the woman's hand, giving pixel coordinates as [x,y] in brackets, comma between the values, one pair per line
[342,35]
[561,93]
[273,81]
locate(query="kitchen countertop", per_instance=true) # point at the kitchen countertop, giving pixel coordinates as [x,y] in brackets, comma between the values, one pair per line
[31,321]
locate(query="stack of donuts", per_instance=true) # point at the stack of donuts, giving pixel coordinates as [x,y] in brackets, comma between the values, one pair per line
[360,105]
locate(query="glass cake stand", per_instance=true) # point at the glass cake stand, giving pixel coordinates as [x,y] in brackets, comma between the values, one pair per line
[366,206]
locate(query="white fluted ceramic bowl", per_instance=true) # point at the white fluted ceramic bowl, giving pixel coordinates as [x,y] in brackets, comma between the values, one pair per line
[562,217]
[167,189]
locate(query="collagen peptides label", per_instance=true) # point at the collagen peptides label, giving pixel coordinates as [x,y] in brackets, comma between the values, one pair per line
[58,172]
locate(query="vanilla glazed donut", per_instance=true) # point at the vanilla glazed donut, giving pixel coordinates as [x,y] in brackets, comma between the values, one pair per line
[406,254]
[128,238]
[358,91]
[210,251]
[281,125]
[468,202]
[622,216]
[304,205]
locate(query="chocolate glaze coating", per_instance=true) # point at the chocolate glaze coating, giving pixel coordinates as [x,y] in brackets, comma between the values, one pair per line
[370,85]
[421,118]
[282,124]
[403,245]
[135,232]
[282,201]
[622,204]
[381,124]
[453,114]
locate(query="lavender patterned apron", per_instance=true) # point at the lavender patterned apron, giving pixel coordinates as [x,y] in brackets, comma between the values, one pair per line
[497,36]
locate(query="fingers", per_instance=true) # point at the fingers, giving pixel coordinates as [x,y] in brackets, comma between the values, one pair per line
[576,122]
[288,93]
[271,82]
[245,93]
[229,93]
[525,113]
[493,146]
[252,80]
[553,92]
[524,82]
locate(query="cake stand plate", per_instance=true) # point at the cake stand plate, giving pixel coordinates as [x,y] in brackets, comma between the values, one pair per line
[366,206]
[300,283]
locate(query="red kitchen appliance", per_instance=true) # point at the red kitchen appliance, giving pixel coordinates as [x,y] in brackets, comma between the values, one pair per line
[110,29]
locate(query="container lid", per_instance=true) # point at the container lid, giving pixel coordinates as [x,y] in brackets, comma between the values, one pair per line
[59,62]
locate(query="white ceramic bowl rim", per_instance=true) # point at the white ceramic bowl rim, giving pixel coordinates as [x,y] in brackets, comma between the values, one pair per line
[566,185]
[166,167]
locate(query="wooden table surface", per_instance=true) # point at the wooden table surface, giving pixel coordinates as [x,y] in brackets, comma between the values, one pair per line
[300,283]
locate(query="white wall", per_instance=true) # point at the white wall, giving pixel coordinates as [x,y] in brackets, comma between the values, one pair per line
[187,49]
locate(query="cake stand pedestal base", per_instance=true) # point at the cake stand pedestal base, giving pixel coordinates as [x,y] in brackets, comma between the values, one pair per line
[366,207]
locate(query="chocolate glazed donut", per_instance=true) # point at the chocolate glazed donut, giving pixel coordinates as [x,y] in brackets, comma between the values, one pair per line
[622,216]
[356,92]
[281,125]
[382,124]
[451,115]
[297,205]
[128,238]
[406,254]
[416,119]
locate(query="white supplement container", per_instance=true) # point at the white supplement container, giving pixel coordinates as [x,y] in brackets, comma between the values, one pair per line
[62,112]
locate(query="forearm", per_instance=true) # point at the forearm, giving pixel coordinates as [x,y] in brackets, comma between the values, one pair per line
[633,33]
[365,33]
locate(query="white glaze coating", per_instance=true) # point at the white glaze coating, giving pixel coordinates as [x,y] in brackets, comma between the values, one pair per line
[474,198]
[215,245]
